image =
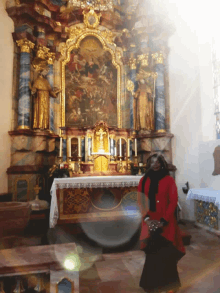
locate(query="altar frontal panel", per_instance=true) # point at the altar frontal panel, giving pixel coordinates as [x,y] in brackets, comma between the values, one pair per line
[96,204]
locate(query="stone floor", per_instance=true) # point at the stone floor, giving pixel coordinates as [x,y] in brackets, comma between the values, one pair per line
[120,270]
[199,269]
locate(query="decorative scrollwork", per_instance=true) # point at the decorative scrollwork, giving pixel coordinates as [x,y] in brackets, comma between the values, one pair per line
[76,201]
[108,36]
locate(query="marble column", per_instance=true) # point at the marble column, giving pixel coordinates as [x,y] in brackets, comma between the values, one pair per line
[132,63]
[41,33]
[64,150]
[131,145]
[24,96]
[51,58]
[83,148]
[160,125]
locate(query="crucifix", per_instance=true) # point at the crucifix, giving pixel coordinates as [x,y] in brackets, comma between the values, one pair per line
[37,188]
[101,133]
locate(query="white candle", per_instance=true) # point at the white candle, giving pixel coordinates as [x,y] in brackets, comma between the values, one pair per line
[115,151]
[135,146]
[88,146]
[120,148]
[128,148]
[61,145]
[79,146]
[70,147]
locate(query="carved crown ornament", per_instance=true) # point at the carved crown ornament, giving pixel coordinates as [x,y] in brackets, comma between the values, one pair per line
[91,19]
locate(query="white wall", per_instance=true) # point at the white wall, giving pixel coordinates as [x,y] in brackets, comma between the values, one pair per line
[191,97]
[6,71]
[185,110]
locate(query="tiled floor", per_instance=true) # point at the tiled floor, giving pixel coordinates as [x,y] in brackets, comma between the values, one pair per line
[199,269]
[102,272]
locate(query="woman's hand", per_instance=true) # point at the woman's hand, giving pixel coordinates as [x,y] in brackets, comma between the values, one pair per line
[153,225]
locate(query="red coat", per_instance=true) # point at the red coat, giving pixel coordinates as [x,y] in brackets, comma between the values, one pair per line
[166,203]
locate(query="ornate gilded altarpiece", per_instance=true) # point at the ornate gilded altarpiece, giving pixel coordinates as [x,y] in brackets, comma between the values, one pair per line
[90,90]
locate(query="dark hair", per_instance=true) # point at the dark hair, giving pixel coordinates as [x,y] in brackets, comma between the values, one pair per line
[161,160]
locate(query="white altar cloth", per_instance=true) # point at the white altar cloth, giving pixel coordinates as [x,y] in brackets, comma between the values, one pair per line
[205,194]
[87,182]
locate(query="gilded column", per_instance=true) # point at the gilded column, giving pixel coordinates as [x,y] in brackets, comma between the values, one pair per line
[160,94]
[24,96]
[132,63]
[51,58]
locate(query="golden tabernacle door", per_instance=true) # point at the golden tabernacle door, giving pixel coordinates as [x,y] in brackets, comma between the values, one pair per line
[101,163]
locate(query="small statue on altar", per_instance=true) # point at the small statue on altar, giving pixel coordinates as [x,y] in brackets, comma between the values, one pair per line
[101,133]
[42,92]
[143,107]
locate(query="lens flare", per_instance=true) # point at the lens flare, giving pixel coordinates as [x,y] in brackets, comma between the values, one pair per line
[72,262]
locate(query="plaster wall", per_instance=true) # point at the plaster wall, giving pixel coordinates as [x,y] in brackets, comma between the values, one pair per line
[6,72]
[191,100]
[185,104]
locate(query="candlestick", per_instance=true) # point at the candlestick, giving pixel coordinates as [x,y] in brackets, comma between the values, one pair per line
[135,146]
[61,145]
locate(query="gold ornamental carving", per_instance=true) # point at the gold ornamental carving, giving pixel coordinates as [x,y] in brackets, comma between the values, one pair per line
[42,52]
[25,45]
[91,19]
[77,35]
[108,36]
[50,58]
[146,74]
[74,32]
[132,63]
[130,86]
[158,57]
[143,60]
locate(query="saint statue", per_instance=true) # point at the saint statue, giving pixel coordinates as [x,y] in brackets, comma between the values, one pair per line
[143,107]
[42,92]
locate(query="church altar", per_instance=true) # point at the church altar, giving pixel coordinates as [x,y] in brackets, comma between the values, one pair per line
[207,205]
[90,92]
[88,199]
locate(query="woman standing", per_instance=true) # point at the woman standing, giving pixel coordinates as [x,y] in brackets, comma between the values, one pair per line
[160,235]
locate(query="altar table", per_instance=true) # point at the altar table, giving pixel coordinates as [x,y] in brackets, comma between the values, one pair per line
[205,194]
[207,206]
[85,199]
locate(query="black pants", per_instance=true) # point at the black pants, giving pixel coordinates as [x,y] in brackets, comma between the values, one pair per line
[160,268]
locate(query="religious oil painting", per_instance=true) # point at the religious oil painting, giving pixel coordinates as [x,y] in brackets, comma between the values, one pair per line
[91,85]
